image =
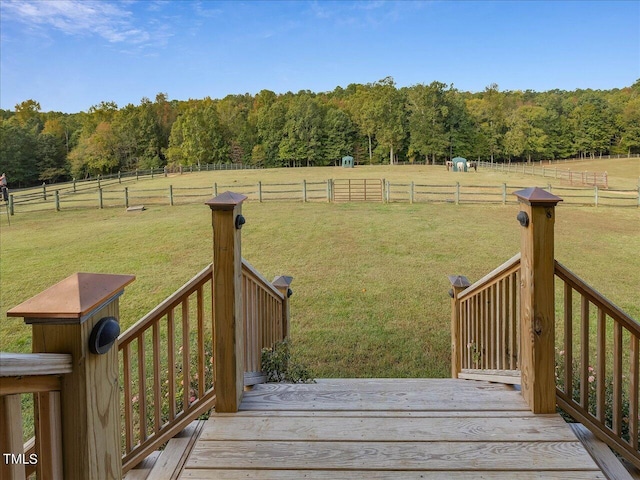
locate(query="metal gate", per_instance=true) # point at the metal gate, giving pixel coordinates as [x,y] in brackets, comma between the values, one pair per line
[357,190]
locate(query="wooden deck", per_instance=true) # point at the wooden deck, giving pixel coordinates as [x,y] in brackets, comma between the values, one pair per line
[387,429]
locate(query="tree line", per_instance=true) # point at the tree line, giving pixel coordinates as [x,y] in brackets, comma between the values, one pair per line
[375,123]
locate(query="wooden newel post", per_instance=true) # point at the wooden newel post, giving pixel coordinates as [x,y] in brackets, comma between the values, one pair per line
[283,284]
[458,284]
[63,319]
[228,326]
[537,298]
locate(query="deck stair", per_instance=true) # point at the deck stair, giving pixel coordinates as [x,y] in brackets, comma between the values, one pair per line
[168,463]
[387,429]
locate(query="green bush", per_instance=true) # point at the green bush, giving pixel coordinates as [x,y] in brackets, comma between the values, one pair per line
[277,363]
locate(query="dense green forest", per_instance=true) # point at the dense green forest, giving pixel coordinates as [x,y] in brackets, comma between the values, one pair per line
[375,123]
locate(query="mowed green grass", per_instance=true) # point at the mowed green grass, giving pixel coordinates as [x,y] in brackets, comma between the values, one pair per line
[370,288]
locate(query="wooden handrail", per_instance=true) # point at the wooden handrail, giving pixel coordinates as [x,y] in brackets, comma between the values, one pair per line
[485,322]
[249,271]
[29,364]
[166,365]
[169,303]
[599,375]
[492,277]
[596,298]
[263,307]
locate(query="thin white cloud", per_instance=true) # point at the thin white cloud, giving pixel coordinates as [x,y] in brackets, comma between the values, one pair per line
[111,21]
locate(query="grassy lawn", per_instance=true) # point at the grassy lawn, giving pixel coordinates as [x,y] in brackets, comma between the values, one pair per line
[370,289]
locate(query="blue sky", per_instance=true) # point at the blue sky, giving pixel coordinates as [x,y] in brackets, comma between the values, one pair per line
[69,55]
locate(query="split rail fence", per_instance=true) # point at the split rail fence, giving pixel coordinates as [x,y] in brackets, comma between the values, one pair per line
[330,190]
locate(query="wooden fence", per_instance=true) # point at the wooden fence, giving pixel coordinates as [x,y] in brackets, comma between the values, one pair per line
[330,190]
[596,179]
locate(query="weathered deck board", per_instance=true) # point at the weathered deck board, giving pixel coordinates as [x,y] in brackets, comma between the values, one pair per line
[387,429]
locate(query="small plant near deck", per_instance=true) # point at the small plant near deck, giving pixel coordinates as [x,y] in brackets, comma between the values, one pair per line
[476,354]
[279,366]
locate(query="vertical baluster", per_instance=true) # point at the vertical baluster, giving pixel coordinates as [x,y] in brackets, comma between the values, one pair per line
[186,383]
[157,400]
[493,327]
[201,356]
[142,389]
[128,406]
[634,388]
[171,363]
[478,323]
[568,340]
[617,378]
[584,353]
[516,318]
[600,367]
[246,318]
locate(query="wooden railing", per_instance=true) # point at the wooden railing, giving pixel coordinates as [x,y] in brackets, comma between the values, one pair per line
[263,320]
[598,364]
[597,350]
[488,325]
[166,369]
[40,375]
[167,358]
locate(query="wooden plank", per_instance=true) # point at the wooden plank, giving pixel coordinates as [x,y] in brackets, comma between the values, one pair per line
[11,436]
[173,457]
[449,394]
[16,364]
[141,472]
[460,456]
[206,474]
[601,454]
[548,428]
[30,384]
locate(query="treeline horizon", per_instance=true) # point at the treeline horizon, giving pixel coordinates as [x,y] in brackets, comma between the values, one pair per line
[375,123]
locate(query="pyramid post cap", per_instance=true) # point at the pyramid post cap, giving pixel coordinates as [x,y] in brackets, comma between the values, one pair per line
[537,197]
[226,201]
[459,281]
[73,298]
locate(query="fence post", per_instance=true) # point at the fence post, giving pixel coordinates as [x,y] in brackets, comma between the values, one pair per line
[537,298]
[100,202]
[64,319]
[44,191]
[595,194]
[136,174]
[411,192]
[304,191]
[283,284]
[328,191]
[74,185]
[119,176]
[458,284]
[171,195]
[260,191]
[57,201]
[457,193]
[11,204]
[388,191]
[126,197]
[165,171]
[99,185]
[215,189]
[228,327]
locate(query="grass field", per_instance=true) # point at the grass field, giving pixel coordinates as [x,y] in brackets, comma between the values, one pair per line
[370,289]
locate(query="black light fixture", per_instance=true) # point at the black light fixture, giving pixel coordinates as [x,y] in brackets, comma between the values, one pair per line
[104,335]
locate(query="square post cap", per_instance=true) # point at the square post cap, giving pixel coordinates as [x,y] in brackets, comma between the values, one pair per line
[459,281]
[535,197]
[226,201]
[73,299]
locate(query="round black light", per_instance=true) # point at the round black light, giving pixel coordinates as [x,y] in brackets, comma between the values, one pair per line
[103,335]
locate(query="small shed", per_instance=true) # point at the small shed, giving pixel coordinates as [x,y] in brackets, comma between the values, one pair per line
[347,162]
[460,164]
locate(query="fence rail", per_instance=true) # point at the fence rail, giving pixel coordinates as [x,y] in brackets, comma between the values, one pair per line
[599,179]
[331,190]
